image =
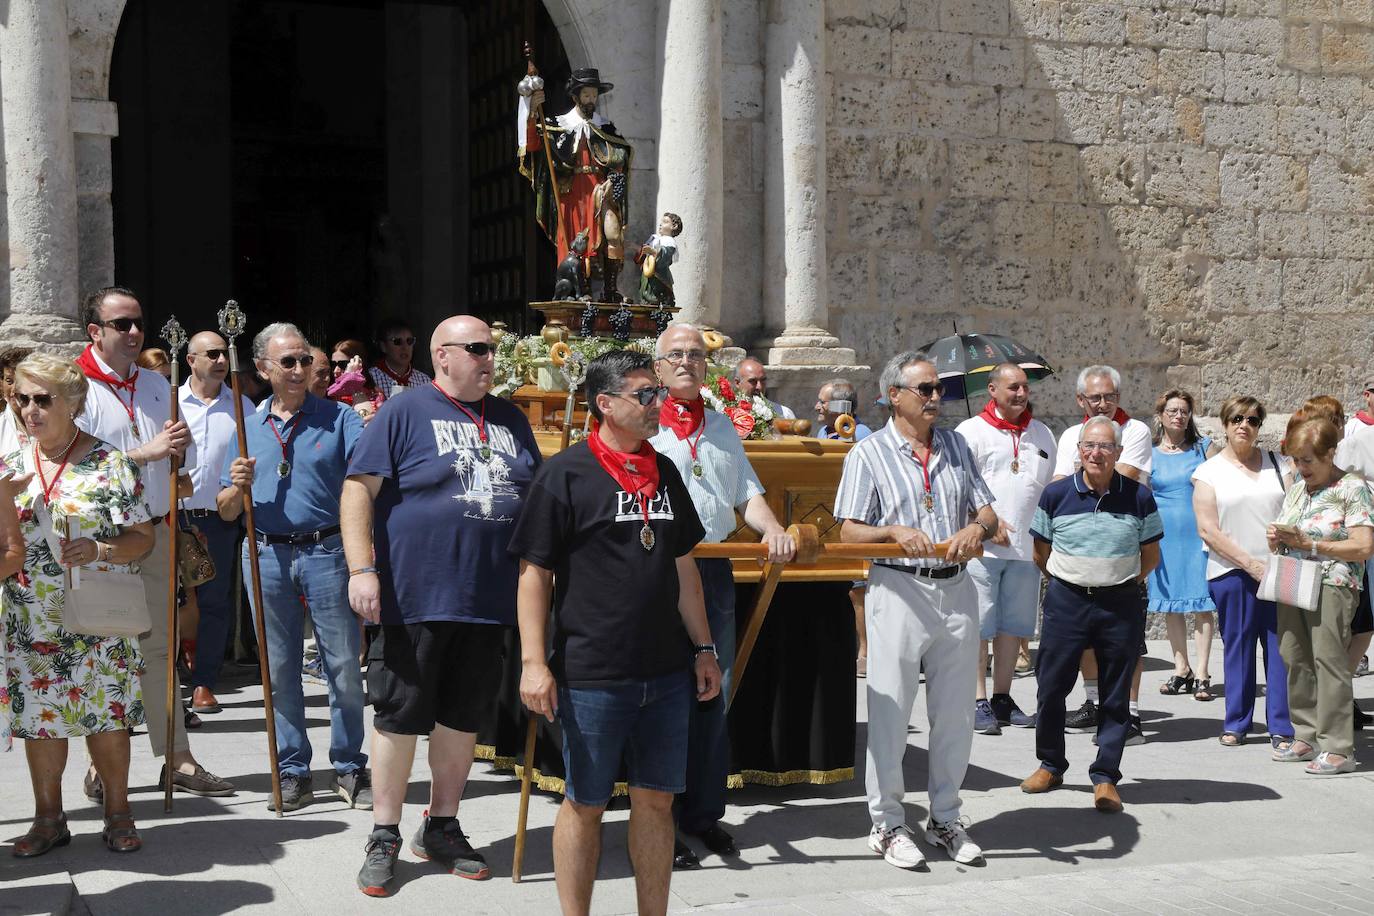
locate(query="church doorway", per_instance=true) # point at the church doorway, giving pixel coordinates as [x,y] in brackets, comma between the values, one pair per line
[327,162]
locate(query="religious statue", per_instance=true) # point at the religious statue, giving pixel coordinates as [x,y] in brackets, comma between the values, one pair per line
[591,164]
[655,258]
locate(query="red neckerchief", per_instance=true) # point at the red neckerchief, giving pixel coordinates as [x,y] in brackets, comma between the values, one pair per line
[1364,418]
[1119,418]
[400,380]
[684,417]
[479,422]
[636,472]
[1016,428]
[93,371]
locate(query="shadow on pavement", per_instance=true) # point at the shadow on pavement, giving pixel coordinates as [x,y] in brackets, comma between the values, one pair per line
[1068,835]
[200,897]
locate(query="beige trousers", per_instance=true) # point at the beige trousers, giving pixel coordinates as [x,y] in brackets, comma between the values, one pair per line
[156,570]
[1320,696]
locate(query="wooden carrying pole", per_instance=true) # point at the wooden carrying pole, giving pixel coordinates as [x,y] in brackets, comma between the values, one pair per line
[176,339]
[231,325]
[532,71]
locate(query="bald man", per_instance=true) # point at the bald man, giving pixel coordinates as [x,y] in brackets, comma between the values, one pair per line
[433,492]
[207,406]
[751,378]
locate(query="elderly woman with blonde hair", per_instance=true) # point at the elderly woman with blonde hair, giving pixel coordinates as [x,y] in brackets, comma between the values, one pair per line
[81,505]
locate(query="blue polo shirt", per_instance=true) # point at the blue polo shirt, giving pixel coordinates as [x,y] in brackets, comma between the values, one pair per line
[1095,539]
[319,443]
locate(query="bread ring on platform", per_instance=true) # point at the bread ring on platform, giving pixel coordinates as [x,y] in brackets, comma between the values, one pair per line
[559,353]
[845,426]
[714,340]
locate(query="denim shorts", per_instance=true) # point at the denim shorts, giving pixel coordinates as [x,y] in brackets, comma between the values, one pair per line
[1008,596]
[643,722]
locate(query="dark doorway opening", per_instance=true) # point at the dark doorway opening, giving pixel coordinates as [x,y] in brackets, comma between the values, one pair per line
[326,162]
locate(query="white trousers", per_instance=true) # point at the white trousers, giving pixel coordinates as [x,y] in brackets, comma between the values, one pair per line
[911,619]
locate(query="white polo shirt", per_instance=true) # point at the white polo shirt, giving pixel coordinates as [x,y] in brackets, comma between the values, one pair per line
[780,410]
[214,432]
[727,478]
[1137,450]
[12,435]
[1015,494]
[106,417]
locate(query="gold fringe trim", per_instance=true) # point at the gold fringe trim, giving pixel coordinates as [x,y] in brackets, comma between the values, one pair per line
[735,781]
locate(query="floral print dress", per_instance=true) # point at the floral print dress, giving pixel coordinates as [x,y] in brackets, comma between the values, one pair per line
[1328,515]
[62,684]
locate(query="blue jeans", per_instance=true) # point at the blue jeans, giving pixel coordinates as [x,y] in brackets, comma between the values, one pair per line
[215,598]
[708,743]
[317,575]
[643,722]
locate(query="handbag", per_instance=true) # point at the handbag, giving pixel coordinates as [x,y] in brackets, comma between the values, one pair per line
[194,564]
[96,602]
[1293,581]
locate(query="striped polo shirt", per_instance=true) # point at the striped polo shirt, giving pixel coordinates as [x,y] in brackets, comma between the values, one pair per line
[1095,539]
[882,484]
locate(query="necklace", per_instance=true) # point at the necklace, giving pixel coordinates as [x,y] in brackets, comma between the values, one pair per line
[62,452]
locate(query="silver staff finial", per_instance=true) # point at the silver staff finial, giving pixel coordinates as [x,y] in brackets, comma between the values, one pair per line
[231,321]
[175,336]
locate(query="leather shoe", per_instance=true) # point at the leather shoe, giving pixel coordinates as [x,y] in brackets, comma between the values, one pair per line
[1105,798]
[203,701]
[718,841]
[683,856]
[1042,780]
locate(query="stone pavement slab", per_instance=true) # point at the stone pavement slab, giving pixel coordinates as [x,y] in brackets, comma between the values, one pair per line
[1205,829]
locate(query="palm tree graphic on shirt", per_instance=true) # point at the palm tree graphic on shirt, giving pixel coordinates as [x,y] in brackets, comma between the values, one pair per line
[482,481]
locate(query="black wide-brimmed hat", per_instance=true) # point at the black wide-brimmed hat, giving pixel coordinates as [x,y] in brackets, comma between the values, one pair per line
[587,76]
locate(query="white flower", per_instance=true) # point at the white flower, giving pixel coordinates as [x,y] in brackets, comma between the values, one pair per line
[712,401]
[762,412]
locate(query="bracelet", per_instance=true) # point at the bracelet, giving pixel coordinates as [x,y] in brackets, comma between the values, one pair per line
[102,552]
[362,569]
[703,648]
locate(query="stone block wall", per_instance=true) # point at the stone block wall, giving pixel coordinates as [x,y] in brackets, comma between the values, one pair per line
[1182,188]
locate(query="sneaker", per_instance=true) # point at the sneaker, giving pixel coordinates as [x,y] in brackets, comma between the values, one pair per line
[1008,713]
[379,865]
[296,792]
[984,722]
[1135,734]
[1083,719]
[312,672]
[896,846]
[449,847]
[355,788]
[953,838]
[1363,667]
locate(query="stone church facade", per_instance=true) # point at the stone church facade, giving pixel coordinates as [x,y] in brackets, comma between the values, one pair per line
[1182,189]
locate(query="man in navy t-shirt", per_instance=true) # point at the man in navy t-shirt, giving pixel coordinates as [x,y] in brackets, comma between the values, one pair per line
[433,491]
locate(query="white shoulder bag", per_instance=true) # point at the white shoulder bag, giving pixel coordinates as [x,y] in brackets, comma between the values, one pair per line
[1293,581]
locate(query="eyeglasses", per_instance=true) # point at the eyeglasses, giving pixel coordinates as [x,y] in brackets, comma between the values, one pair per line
[677,356]
[477,348]
[123,325]
[1177,412]
[1109,398]
[926,389]
[403,341]
[212,355]
[290,362]
[1252,421]
[645,396]
[1090,447]
[41,401]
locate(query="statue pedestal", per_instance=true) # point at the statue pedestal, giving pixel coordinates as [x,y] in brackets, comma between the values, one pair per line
[644,322]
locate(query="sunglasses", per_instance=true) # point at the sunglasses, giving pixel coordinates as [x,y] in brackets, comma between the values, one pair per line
[290,362]
[340,363]
[403,341]
[123,325]
[646,396]
[42,401]
[1252,421]
[213,355]
[927,389]
[476,348]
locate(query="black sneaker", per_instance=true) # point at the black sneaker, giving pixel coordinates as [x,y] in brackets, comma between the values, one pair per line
[380,863]
[355,788]
[1009,714]
[1135,734]
[296,792]
[1083,719]
[450,848]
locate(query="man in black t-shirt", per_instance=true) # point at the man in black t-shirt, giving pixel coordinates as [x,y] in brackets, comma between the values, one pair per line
[606,531]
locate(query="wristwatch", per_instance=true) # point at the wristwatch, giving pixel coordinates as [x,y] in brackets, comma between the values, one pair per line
[705,647]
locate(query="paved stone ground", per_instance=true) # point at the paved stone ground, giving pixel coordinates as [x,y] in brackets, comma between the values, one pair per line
[1206,829]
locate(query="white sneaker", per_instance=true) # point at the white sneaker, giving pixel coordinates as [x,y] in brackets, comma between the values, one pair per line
[955,841]
[897,846]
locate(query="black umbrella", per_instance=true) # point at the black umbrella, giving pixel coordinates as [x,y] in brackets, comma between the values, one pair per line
[961,358]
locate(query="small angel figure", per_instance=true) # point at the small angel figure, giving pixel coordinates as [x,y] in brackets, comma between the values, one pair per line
[655,258]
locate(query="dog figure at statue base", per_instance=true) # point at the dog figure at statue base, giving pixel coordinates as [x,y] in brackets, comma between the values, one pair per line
[571,282]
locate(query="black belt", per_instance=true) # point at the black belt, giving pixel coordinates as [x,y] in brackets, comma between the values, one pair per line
[200,513]
[1096,589]
[927,572]
[303,537]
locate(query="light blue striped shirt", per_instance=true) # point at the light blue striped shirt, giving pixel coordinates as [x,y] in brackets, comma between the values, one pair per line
[882,484]
[1095,539]
[727,478]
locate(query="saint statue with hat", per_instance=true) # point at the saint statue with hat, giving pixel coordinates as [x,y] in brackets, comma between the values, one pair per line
[590,161]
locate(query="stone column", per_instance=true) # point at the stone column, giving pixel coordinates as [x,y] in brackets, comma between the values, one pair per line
[40,174]
[690,153]
[796,270]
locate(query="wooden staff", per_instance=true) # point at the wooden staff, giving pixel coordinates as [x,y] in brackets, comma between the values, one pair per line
[231,324]
[533,72]
[176,339]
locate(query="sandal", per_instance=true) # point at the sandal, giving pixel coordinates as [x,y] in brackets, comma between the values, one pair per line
[1203,693]
[1231,739]
[1178,684]
[120,834]
[1280,742]
[34,843]
[1291,754]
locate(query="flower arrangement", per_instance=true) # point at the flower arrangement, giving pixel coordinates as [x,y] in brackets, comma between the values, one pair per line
[519,358]
[752,416]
